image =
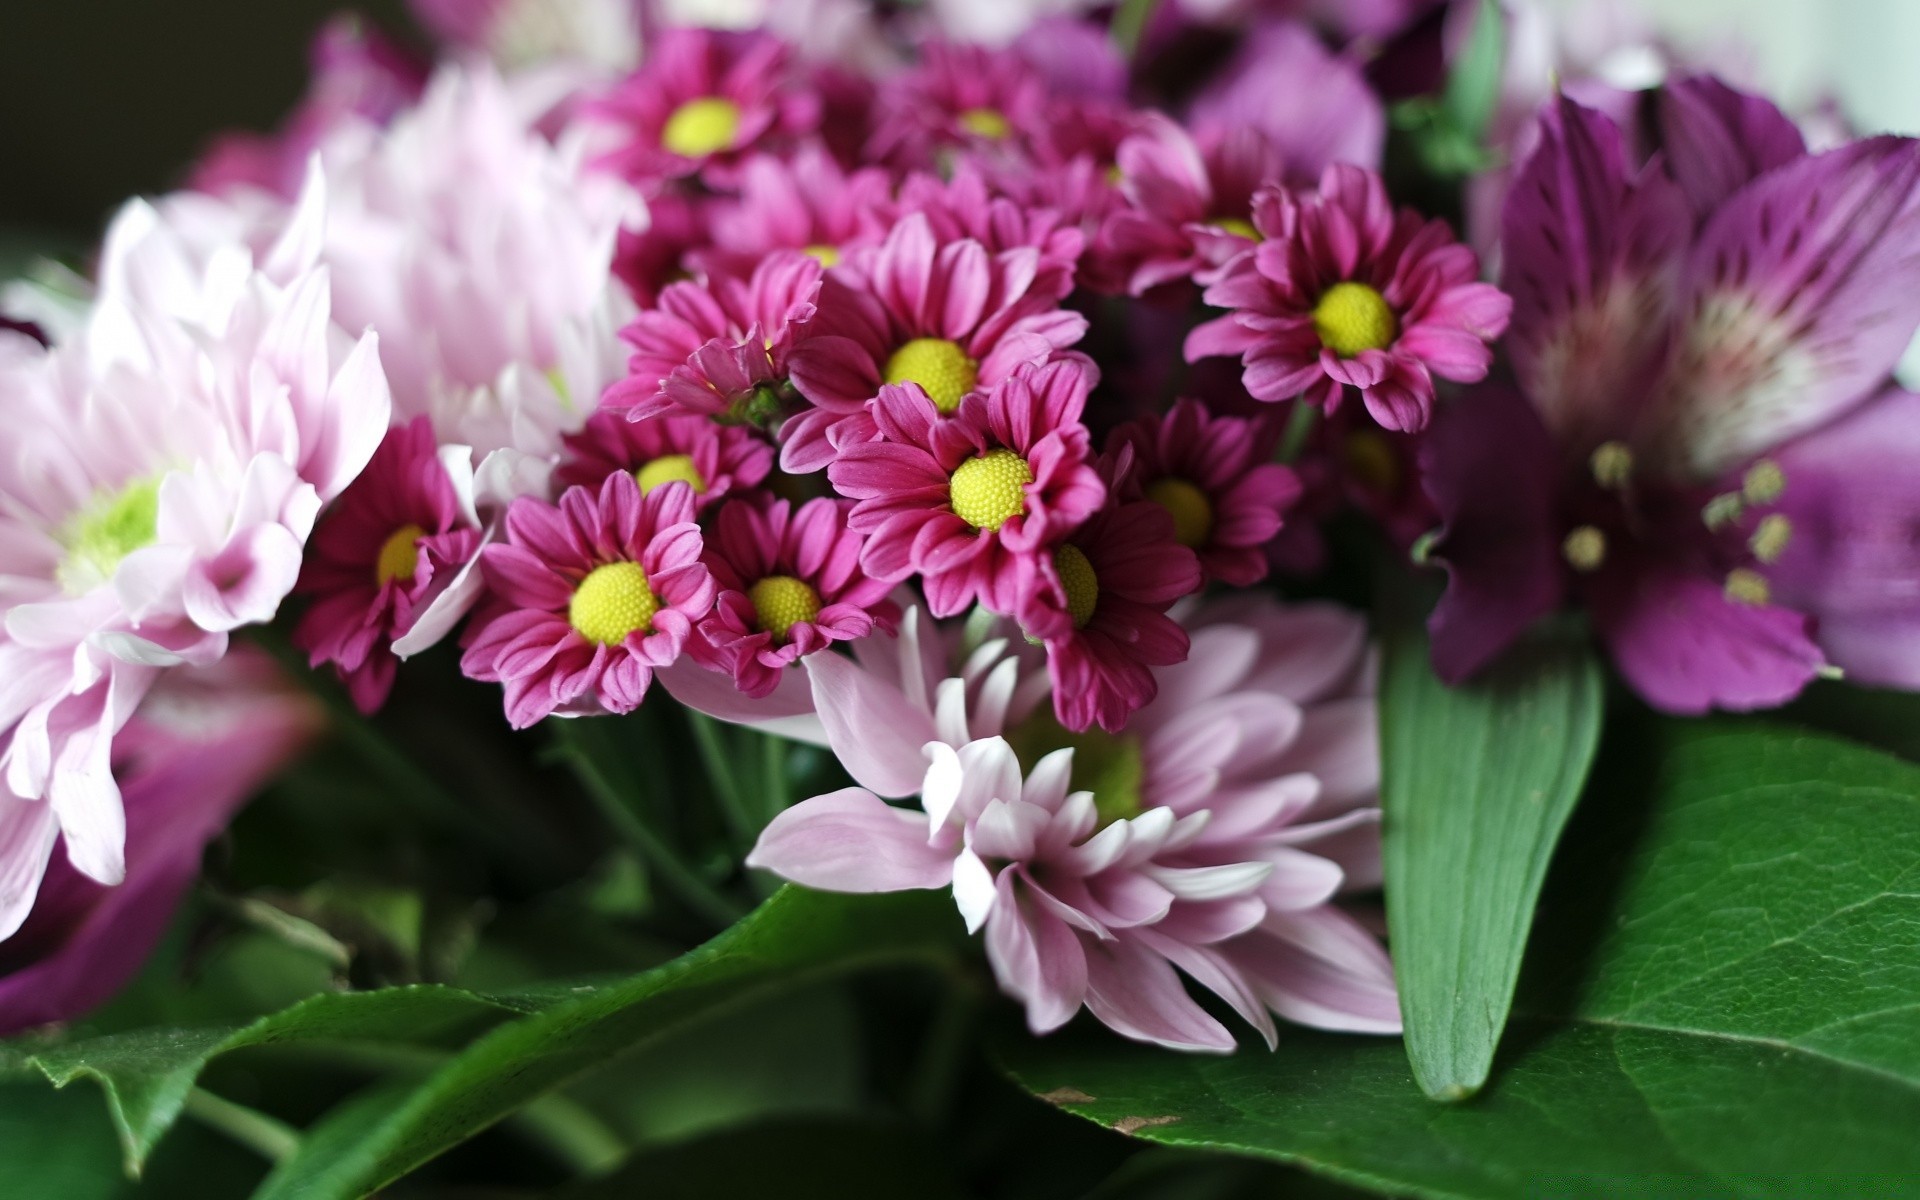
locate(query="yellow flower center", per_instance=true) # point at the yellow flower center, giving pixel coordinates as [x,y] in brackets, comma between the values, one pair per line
[113,527]
[1352,317]
[940,367]
[669,468]
[1192,515]
[825,255]
[613,601]
[780,602]
[988,123]
[701,127]
[988,490]
[1244,228]
[399,555]
[1082,585]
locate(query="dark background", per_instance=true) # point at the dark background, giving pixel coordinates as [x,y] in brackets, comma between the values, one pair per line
[104,99]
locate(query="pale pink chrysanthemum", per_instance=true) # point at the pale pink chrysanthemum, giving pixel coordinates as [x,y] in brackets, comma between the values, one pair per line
[1343,292]
[946,320]
[969,502]
[1211,838]
[790,585]
[711,458]
[588,598]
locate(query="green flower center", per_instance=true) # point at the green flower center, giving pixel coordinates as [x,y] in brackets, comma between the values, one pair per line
[113,527]
[988,490]
[1352,317]
[701,127]
[1108,765]
[1082,585]
[780,602]
[1192,515]
[940,367]
[670,468]
[613,601]
[399,555]
[988,123]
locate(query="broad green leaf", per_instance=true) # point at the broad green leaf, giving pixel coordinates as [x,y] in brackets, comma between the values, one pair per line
[148,1073]
[60,1146]
[1723,999]
[793,936]
[1477,783]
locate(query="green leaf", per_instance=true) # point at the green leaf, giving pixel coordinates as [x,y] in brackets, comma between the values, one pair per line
[1473,89]
[1723,999]
[1477,783]
[147,1074]
[796,935]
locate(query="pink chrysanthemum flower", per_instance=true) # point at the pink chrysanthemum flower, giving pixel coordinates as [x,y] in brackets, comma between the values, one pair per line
[947,321]
[963,206]
[807,202]
[1189,205]
[1212,838]
[1098,602]
[1213,477]
[968,502]
[702,99]
[1342,292]
[390,545]
[590,597]
[967,97]
[712,459]
[708,348]
[789,584]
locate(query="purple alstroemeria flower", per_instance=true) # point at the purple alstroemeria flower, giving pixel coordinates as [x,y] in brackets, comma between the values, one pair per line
[1677,324]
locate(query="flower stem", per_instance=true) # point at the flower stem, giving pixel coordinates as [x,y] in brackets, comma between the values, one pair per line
[571,1133]
[1130,23]
[717,758]
[269,1137]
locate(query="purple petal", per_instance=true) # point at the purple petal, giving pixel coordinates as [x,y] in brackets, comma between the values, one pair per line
[852,841]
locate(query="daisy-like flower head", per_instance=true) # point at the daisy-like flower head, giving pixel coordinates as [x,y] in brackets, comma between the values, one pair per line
[958,97]
[1189,206]
[789,584]
[1211,838]
[589,598]
[1314,105]
[1214,478]
[947,321]
[711,348]
[968,502]
[392,543]
[963,206]
[714,460]
[701,101]
[804,202]
[1342,292]
[1098,601]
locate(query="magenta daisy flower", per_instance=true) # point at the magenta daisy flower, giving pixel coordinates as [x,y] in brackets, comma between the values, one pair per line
[390,545]
[589,598]
[806,202]
[958,96]
[711,458]
[1342,292]
[704,98]
[708,348]
[1099,603]
[790,584]
[1213,477]
[947,321]
[964,206]
[1189,206]
[968,502]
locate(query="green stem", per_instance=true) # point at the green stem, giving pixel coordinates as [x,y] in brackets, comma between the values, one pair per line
[269,1137]
[572,1133]
[1300,423]
[718,761]
[676,874]
[1130,23]
[774,802]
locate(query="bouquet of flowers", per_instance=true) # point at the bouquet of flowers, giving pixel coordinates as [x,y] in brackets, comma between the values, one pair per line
[972,599]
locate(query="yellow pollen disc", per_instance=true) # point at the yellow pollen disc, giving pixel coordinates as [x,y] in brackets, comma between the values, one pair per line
[1082,585]
[940,367]
[1763,483]
[399,555]
[669,468]
[1352,317]
[1585,548]
[1192,515]
[1770,537]
[780,602]
[1612,465]
[825,255]
[1747,587]
[1244,228]
[613,601]
[985,122]
[701,127]
[1370,459]
[988,490]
